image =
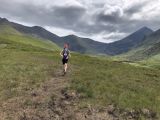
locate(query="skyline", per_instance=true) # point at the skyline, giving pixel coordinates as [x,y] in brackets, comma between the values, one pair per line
[102,21]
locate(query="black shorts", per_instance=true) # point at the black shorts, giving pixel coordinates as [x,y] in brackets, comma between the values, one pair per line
[64,61]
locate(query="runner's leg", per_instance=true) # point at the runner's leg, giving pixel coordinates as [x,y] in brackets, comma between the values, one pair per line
[65,67]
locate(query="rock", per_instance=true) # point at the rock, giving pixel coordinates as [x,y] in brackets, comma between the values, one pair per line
[34,94]
[66,102]
[153,114]
[63,91]
[145,112]
[89,112]
[130,117]
[74,95]
[23,117]
[45,88]
[111,109]
[133,114]
[148,113]
[69,95]
[58,111]
[66,95]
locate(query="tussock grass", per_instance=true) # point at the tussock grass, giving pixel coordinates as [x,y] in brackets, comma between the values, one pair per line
[104,82]
[24,67]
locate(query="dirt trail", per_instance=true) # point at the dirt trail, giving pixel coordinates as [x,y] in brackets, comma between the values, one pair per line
[53,101]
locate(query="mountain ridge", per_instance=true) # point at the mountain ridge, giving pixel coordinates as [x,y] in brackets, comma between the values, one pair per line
[130,42]
[85,45]
[149,47]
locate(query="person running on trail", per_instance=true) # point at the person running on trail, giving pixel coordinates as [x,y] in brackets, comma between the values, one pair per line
[65,53]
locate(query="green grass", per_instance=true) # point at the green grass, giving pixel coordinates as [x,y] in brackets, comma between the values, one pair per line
[7,29]
[24,67]
[152,62]
[11,34]
[28,40]
[104,82]
[22,71]
[25,63]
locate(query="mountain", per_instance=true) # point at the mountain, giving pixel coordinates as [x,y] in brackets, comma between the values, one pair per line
[78,44]
[81,45]
[130,42]
[84,45]
[148,48]
[152,44]
[7,32]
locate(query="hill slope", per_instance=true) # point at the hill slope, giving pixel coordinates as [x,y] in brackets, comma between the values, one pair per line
[148,48]
[8,32]
[84,45]
[130,42]
[32,86]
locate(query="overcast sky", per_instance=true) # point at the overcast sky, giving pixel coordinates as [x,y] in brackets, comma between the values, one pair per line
[101,20]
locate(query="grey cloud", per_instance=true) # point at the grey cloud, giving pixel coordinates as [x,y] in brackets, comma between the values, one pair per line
[67,15]
[77,18]
[59,16]
[109,18]
[133,9]
[136,8]
[115,37]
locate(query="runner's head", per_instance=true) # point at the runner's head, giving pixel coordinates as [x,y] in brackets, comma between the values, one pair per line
[65,45]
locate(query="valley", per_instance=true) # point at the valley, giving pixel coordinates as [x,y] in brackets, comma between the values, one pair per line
[96,87]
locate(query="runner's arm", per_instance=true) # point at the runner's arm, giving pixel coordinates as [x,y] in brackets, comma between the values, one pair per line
[61,53]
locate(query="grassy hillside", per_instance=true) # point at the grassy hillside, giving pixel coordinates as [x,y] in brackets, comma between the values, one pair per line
[23,65]
[142,53]
[153,62]
[10,33]
[26,65]
[130,42]
[149,48]
[28,40]
[85,45]
[105,82]
[6,29]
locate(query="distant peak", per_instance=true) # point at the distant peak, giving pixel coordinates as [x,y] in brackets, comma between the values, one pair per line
[2,20]
[146,28]
[71,36]
[38,28]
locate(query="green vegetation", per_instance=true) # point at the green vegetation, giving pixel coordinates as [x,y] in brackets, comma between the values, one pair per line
[24,66]
[152,62]
[9,33]
[7,29]
[149,48]
[34,42]
[26,62]
[103,82]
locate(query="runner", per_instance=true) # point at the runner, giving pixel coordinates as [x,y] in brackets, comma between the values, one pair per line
[65,53]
